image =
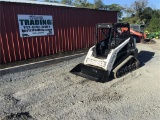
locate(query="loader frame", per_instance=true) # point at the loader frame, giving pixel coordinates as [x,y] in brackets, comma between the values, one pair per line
[113,46]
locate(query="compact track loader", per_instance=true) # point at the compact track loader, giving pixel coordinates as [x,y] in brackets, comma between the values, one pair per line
[114,54]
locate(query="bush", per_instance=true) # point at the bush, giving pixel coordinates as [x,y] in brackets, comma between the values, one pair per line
[154,25]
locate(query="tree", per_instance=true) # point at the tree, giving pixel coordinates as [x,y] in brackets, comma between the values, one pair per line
[80,2]
[138,12]
[146,15]
[154,25]
[98,4]
[131,20]
[128,11]
[55,1]
[83,4]
[138,6]
[46,0]
[115,7]
[67,2]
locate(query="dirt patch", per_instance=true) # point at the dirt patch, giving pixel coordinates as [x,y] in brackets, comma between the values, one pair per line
[109,96]
[19,116]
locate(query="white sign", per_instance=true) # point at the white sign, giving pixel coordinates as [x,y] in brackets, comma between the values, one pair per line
[35,25]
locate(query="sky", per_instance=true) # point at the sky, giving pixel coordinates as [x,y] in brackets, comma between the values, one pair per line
[155,4]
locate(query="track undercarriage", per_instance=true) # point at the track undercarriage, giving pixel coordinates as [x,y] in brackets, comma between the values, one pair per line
[128,65]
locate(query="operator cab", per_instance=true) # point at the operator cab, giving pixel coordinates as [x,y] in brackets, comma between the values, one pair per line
[110,36]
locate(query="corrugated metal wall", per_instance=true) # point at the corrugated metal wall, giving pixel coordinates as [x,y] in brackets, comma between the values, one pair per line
[74,29]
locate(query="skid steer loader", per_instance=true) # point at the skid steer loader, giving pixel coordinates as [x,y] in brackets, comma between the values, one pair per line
[113,55]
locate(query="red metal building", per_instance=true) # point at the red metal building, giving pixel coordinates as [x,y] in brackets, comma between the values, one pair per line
[74,29]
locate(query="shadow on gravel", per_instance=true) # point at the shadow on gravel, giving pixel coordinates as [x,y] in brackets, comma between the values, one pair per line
[28,66]
[144,57]
[19,116]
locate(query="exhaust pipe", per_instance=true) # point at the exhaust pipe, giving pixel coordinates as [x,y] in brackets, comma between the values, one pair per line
[90,72]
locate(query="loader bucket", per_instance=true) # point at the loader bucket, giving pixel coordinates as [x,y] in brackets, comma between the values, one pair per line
[90,72]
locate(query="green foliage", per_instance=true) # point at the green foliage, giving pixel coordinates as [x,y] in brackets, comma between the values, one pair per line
[141,14]
[151,20]
[55,1]
[98,4]
[115,7]
[137,13]
[138,7]
[46,0]
[83,4]
[154,25]
[146,15]
[131,20]
[67,2]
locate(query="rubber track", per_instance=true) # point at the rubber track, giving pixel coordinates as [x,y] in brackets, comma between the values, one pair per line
[121,64]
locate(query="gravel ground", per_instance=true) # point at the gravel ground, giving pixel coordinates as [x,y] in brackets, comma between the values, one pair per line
[52,93]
